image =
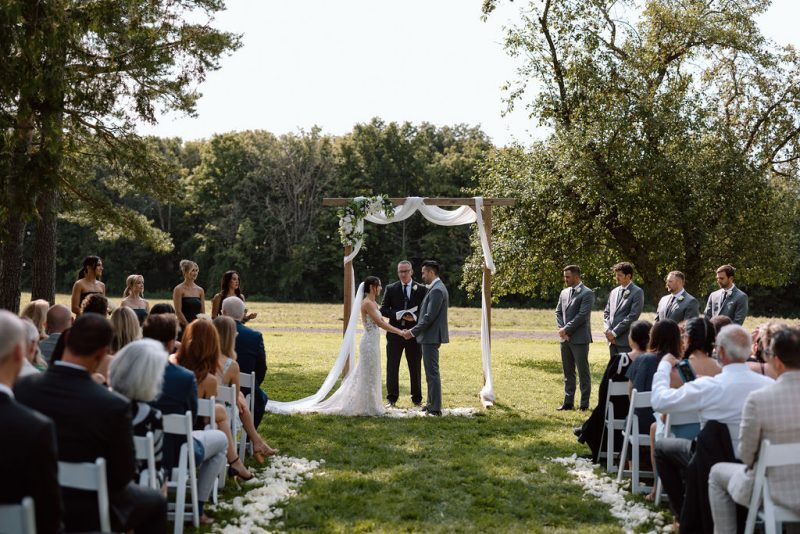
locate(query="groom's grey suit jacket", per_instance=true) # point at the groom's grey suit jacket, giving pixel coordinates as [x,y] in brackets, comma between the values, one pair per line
[432,325]
[574,315]
[735,306]
[622,309]
[682,308]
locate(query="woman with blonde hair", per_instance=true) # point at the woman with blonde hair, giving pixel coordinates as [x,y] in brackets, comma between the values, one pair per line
[133,297]
[228,374]
[199,353]
[126,328]
[188,298]
[88,282]
[36,311]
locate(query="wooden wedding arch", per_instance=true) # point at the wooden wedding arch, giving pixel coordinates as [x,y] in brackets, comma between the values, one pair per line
[486,215]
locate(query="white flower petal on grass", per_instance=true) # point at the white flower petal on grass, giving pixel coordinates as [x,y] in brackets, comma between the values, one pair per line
[406,413]
[630,514]
[269,488]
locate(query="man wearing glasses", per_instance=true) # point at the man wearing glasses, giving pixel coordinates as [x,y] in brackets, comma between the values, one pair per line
[400,304]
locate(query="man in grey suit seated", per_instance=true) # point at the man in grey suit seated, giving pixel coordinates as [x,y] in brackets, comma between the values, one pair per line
[573,313]
[769,413]
[728,300]
[623,307]
[678,305]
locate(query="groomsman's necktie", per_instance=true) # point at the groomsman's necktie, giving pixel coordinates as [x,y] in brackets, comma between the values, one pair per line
[724,298]
[671,302]
[571,293]
[406,296]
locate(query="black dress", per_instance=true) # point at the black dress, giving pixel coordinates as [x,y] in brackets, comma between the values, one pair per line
[141,314]
[593,430]
[190,307]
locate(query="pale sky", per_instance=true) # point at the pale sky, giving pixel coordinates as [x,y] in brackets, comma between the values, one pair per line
[339,63]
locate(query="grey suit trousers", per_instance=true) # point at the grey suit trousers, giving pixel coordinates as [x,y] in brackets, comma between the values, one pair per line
[572,356]
[430,357]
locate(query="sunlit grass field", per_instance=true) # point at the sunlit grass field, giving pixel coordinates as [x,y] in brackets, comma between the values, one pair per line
[488,473]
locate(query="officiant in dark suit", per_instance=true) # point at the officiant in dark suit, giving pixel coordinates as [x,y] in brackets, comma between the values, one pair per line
[405,294]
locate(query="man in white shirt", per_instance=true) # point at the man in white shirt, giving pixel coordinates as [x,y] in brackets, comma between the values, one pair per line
[718,398]
[769,413]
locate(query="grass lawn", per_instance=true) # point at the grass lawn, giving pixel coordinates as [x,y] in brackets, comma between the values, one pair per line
[488,473]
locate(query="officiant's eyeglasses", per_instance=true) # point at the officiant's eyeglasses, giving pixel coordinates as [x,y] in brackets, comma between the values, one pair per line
[404,271]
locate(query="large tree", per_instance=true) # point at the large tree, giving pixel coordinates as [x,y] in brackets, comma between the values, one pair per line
[76,79]
[672,143]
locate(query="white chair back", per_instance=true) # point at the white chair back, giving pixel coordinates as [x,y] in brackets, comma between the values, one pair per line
[773,515]
[88,477]
[612,422]
[634,437]
[677,418]
[247,381]
[185,474]
[205,408]
[146,451]
[18,518]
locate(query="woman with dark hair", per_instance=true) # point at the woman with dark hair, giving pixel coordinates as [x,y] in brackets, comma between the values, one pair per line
[699,338]
[230,286]
[95,303]
[593,430]
[88,282]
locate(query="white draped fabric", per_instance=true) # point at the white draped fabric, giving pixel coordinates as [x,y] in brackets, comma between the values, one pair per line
[436,215]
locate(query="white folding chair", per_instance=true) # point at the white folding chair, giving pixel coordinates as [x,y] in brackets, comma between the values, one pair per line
[88,477]
[615,389]
[226,395]
[207,408]
[677,418]
[247,381]
[772,514]
[185,474]
[633,437]
[18,518]
[146,450]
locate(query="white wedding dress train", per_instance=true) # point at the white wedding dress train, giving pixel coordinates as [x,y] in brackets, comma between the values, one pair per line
[360,391]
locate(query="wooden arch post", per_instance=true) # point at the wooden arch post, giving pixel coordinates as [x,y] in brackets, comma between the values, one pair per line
[488,203]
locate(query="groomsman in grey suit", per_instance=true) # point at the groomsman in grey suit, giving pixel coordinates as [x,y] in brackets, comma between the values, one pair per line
[623,308]
[728,300]
[573,313]
[678,305]
[431,331]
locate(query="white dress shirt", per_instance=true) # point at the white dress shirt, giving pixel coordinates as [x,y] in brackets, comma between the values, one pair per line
[7,390]
[715,398]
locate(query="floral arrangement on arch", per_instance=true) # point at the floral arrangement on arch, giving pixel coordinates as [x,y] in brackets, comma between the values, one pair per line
[356,211]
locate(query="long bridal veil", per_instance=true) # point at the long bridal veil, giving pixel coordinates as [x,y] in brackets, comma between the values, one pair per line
[346,353]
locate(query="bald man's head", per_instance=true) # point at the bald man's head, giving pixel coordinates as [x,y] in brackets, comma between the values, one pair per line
[59,318]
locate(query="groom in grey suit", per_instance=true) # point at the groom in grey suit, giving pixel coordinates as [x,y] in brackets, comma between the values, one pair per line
[431,331]
[678,305]
[573,313]
[623,308]
[728,300]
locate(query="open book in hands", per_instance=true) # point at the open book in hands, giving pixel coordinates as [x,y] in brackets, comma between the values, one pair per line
[399,315]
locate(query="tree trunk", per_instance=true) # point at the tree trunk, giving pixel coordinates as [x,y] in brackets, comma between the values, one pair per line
[11,262]
[44,249]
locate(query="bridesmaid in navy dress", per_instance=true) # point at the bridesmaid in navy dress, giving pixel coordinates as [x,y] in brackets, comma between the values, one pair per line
[132,297]
[188,298]
[88,282]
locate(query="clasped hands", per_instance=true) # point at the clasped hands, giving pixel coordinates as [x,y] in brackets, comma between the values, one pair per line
[562,333]
[407,334]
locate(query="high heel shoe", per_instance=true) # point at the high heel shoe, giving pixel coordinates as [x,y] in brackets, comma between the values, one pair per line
[265,451]
[232,471]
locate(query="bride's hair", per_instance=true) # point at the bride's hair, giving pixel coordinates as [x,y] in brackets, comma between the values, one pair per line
[369,282]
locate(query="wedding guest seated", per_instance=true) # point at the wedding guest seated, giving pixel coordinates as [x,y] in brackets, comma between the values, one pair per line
[36,311]
[717,398]
[761,342]
[137,372]
[132,297]
[59,318]
[199,353]
[88,283]
[230,286]
[95,303]
[593,430]
[162,307]
[250,353]
[720,321]
[769,413]
[28,458]
[126,328]
[34,363]
[228,374]
[93,422]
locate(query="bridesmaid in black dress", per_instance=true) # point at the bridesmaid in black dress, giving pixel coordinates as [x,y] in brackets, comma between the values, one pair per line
[132,297]
[88,282]
[188,298]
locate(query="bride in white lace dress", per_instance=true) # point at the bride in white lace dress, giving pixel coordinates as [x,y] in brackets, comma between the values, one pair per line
[360,391]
